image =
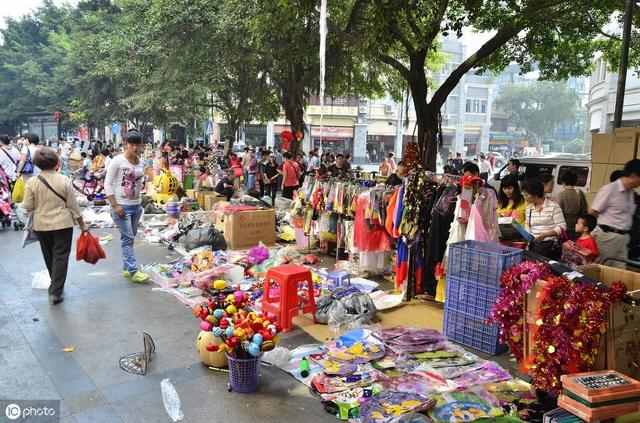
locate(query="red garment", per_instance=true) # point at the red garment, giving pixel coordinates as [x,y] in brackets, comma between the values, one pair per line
[391,208]
[292,175]
[590,245]
[368,235]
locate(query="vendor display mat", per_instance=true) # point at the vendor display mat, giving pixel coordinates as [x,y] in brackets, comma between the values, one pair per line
[413,314]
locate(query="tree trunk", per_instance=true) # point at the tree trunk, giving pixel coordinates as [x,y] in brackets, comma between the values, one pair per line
[294,103]
[233,126]
[426,115]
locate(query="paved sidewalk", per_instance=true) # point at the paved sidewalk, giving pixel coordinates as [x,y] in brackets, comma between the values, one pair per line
[103,317]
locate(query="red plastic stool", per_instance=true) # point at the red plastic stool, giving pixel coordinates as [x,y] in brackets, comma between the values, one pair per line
[281,298]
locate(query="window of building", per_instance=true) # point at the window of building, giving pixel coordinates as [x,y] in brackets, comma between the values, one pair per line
[476,105]
[581,171]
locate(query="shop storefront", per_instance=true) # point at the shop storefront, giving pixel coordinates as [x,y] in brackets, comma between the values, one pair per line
[378,146]
[334,139]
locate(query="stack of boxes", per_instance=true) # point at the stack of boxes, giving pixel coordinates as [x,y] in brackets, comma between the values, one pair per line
[610,152]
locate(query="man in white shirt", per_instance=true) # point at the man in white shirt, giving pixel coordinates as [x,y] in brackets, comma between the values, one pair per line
[9,157]
[614,207]
[485,167]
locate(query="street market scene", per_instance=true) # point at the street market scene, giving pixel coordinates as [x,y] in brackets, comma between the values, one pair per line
[320,210]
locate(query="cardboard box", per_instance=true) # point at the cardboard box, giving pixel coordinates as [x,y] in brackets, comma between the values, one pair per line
[211,198]
[600,174]
[601,145]
[193,194]
[623,334]
[248,228]
[625,145]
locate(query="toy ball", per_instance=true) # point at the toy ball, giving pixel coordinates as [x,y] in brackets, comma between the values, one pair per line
[224,323]
[218,313]
[230,299]
[239,333]
[197,311]
[231,309]
[254,350]
[217,331]
[211,319]
[229,332]
[205,326]
[238,296]
[257,339]
[219,284]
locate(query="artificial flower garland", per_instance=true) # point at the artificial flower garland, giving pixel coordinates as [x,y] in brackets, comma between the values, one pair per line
[508,311]
[570,322]
[572,318]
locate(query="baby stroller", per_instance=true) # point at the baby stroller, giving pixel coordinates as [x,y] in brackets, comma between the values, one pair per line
[5,200]
[88,183]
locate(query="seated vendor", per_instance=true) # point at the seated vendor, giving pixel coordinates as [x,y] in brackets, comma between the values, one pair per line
[395,178]
[225,185]
[205,180]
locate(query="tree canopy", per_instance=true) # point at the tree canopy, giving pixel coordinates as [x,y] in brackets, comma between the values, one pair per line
[538,107]
[161,61]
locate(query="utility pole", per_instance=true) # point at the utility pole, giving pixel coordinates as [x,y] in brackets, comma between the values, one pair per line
[624,63]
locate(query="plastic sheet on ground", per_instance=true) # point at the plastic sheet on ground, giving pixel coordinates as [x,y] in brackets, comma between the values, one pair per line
[385,300]
[171,400]
[98,217]
[41,280]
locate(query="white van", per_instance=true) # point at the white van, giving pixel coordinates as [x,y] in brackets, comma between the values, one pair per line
[554,164]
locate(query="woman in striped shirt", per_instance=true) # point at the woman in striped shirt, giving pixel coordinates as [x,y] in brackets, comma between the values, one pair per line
[544,220]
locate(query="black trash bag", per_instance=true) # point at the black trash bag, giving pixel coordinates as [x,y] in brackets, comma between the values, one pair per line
[205,236]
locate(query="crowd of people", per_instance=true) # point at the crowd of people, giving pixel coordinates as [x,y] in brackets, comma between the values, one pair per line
[561,227]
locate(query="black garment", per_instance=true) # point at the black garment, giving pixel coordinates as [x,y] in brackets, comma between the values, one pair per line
[225,187]
[394,180]
[271,190]
[343,172]
[56,246]
[287,192]
[269,170]
[457,164]
[438,234]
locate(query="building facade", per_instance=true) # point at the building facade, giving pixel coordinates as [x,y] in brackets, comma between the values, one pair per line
[602,99]
[369,129]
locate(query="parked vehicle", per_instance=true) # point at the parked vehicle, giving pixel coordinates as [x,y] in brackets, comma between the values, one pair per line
[554,164]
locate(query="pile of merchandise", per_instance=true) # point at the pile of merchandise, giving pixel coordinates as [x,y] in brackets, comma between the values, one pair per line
[381,374]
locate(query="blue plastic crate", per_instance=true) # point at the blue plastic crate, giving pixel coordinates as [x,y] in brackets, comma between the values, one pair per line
[482,262]
[470,297]
[472,332]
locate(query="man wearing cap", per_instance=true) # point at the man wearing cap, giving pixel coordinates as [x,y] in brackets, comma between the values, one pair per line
[123,185]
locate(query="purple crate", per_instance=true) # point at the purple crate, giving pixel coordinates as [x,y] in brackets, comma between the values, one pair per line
[472,332]
[482,262]
[472,298]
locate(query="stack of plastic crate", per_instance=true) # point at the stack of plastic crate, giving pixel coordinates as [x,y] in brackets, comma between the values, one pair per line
[473,285]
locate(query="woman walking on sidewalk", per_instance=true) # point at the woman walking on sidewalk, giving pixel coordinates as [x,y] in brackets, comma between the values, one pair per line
[123,185]
[51,199]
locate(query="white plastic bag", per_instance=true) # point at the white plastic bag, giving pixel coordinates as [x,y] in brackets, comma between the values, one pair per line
[41,280]
[171,400]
